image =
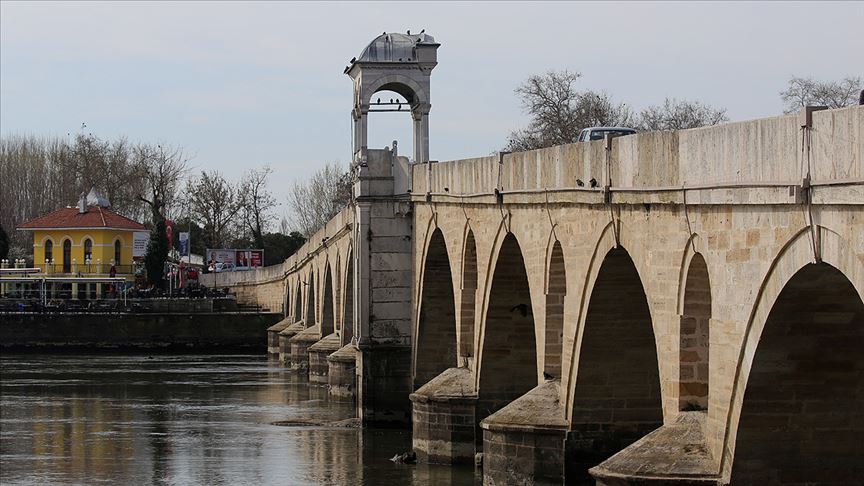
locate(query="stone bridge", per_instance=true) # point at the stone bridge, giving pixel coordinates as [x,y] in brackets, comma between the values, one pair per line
[701,304]
[663,308]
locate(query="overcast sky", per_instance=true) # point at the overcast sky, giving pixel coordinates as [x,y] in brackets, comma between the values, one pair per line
[244,85]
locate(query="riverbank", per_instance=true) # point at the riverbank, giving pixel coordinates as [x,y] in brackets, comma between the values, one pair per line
[121,331]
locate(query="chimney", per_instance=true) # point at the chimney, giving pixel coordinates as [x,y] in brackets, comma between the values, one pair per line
[82,204]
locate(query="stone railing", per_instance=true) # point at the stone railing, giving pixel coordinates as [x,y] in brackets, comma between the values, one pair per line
[766,151]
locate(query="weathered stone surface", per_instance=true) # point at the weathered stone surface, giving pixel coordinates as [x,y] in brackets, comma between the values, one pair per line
[342,376]
[730,195]
[273,335]
[319,367]
[676,453]
[300,344]
[524,441]
[443,418]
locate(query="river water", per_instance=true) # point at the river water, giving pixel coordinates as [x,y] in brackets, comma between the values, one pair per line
[190,419]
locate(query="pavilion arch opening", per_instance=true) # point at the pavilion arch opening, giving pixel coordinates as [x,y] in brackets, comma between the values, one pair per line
[327,324]
[348,303]
[468,298]
[617,398]
[436,324]
[310,300]
[801,416]
[392,121]
[509,356]
[556,291]
[693,346]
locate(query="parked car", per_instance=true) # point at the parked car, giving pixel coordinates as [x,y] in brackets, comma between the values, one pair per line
[223,267]
[597,133]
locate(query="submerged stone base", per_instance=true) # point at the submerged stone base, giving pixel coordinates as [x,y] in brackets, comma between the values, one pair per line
[319,367]
[444,418]
[300,344]
[673,454]
[285,341]
[384,384]
[342,376]
[523,443]
[273,335]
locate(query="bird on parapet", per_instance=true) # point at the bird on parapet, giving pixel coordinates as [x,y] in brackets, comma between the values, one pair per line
[593,182]
[580,183]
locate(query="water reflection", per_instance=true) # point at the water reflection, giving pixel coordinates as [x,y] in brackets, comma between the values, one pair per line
[186,420]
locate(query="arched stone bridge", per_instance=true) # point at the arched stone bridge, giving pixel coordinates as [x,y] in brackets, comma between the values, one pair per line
[674,307]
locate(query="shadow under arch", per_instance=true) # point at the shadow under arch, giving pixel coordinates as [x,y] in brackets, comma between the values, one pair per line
[694,331]
[327,315]
[309,316]
[298,301]
[468,300]
[556,293]
[436,315]
[347,319]
[800,420]
[508,367]
[795,255]
[616,395]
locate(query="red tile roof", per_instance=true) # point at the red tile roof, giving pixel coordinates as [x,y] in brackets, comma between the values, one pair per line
[95,217]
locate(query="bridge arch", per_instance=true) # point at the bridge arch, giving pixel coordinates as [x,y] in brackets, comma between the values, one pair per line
[347,317]
[309,316]
[468,300]
[507,359]
[787,284]
[694,311]
[298,300]
[435,336]
[616,390]
[556,293]
[328,325]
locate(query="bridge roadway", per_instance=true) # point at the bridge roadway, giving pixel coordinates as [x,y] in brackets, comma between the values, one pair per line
[670,308]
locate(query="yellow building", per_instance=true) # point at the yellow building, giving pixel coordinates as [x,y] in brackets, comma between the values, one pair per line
[86,240]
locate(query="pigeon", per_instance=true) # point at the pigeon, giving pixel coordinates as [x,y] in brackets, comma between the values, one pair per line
[593,182]
[580,183]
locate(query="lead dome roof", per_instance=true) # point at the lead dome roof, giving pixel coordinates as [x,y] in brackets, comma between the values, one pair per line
[393,47]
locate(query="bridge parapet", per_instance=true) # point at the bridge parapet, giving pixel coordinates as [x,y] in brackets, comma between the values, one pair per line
[756,154]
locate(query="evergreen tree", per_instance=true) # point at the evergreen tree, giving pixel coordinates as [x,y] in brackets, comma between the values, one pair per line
[157,253]
[4,244]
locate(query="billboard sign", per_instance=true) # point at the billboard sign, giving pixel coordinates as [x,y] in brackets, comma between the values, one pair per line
[241,259]
[139,243]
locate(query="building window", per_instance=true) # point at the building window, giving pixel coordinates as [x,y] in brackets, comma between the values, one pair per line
[88,250]
[49,251]
[67,256]
[117,252]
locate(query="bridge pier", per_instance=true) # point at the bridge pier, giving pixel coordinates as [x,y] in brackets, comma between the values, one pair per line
[674,454]
[273,335]
[285,341]
[319,367]
[342,375]
[523,443]
[384,384]
[300,345]
[444,418]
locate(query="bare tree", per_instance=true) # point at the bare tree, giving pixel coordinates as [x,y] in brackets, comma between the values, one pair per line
[257,203]
[213,203]
[317,200]
[161,168]
[559,111]
[676,114]
[39,175]
[808,91]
